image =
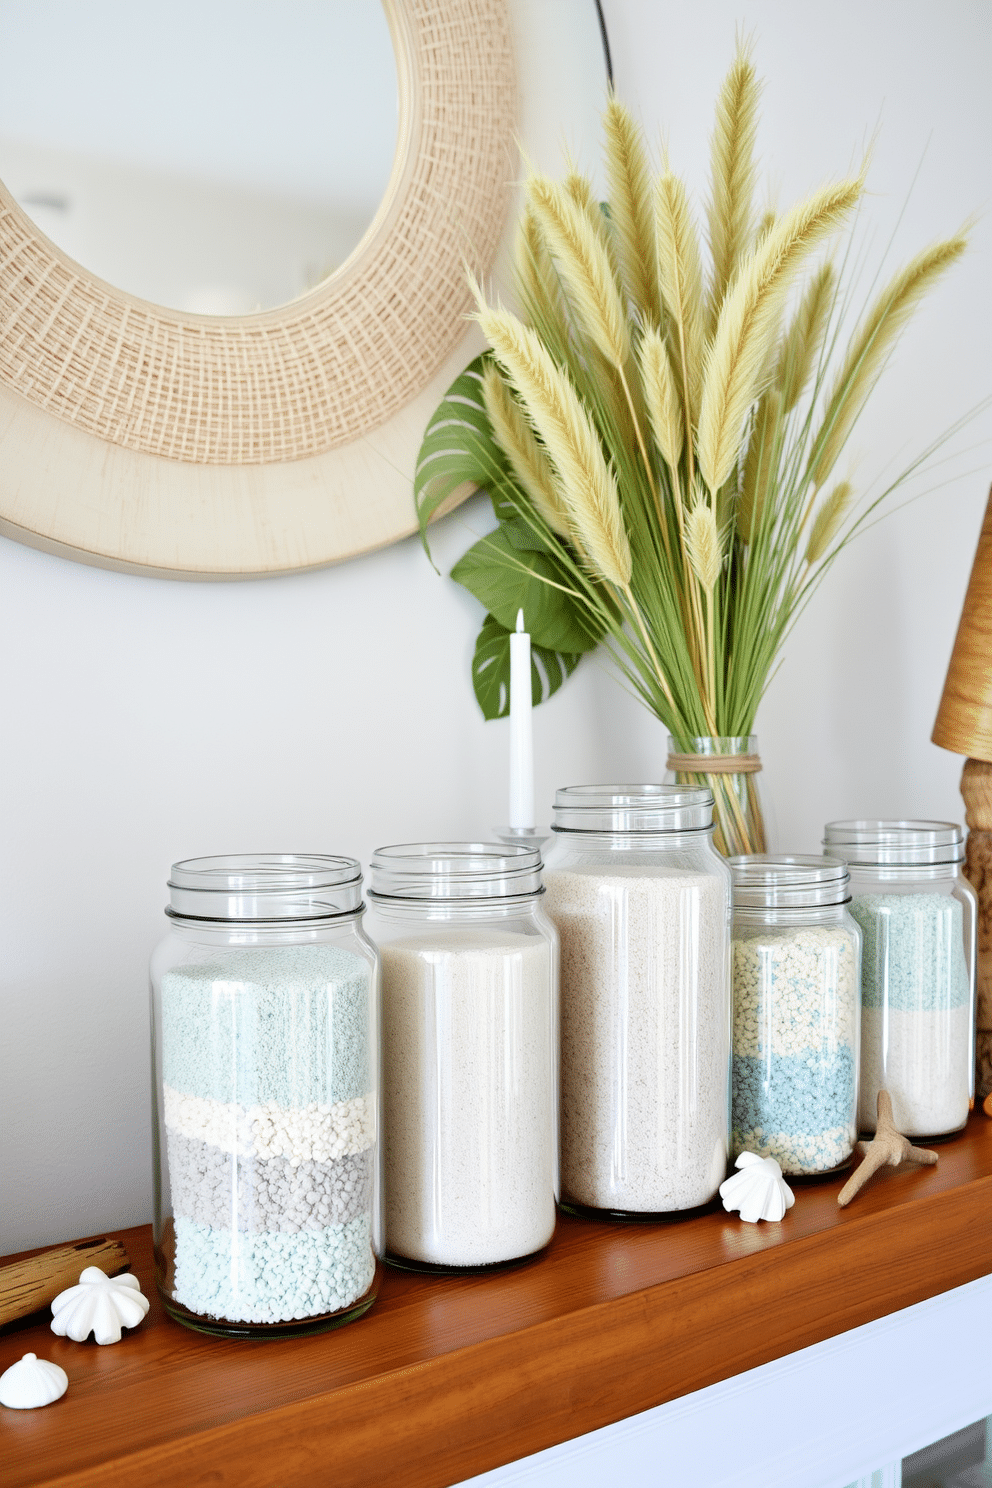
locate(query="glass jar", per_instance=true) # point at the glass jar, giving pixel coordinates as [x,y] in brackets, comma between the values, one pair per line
[265,1068]
[641,900]
[470,1024]
[797,996]
[728,766]
[917,913]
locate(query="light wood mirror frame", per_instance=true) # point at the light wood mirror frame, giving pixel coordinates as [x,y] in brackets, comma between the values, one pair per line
[139,438]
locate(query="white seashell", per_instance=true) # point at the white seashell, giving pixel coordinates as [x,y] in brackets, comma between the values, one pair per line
[759,1191]
[32,1382]
[100,1305]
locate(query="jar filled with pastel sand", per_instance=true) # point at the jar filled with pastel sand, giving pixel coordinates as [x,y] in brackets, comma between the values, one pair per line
[265,1039]
[917,913]
[797,1012]
[469,1023]
[641,901]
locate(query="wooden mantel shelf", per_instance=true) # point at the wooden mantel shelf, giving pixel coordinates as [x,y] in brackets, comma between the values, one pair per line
[447,1377]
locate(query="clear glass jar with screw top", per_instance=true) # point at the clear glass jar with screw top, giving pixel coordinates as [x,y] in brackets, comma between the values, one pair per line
[797,981]
[917,912]
[470,1033]
[265,1044]
[641,900]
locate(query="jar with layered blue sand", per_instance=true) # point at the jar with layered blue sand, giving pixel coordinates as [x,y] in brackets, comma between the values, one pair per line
[265,1039]
[918,915]
[797,973]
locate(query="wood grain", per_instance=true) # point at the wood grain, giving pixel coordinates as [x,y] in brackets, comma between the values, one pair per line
[27,1285]
[964,718]
[450,1376]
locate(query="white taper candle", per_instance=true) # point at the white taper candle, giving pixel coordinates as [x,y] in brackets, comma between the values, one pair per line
[521,729]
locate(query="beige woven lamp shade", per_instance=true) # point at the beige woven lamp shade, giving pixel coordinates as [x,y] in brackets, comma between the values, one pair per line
[964,719]
[964,725]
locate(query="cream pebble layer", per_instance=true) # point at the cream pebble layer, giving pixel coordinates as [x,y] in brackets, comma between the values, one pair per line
[314,1133]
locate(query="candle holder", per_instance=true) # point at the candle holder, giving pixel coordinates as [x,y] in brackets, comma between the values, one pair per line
[534,837]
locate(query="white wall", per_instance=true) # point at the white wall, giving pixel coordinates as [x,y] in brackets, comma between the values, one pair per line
[146,720]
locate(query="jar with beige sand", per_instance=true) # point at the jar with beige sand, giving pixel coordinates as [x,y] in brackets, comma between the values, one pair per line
[641,901]
[469,1054]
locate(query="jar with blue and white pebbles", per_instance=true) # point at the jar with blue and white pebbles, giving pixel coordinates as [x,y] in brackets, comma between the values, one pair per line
[797,979]
[265,1060]
[918,914]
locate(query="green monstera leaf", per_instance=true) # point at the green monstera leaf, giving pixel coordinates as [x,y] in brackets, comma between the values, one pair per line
[506,579]
[514,568]
[458,448]
[491,669]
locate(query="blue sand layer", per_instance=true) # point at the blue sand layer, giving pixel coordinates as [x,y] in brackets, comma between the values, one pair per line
[913,954]
[801,1094]
[270,1277]
[287,1024]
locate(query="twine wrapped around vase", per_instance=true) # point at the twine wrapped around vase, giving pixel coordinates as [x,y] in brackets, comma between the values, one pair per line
[738,817]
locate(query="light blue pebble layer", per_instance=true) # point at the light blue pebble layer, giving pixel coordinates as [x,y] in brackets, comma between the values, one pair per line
[287,1024]
[270,1277]
[913,953]
[801,1095]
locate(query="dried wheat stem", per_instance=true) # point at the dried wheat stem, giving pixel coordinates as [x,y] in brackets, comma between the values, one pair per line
[528,461]
[870,346]
[626,590]
[681,278]
[730,211]
[801,344]
[702,543]
[827,522]
[588,485]
[584,264]
[629,179]
[749,318]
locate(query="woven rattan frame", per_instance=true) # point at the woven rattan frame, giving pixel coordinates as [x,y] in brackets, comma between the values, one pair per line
[290,383]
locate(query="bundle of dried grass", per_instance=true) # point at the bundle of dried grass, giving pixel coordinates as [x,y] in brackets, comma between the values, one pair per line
[657,433]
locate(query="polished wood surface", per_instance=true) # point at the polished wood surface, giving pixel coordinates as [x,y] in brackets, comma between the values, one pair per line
[450,1376]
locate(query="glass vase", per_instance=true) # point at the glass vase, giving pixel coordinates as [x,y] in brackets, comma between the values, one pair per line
[728,766]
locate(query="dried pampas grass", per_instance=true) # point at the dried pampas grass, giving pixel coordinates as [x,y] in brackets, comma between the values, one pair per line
[667,426]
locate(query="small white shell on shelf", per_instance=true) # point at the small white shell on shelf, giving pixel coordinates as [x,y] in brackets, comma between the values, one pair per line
[100,1305]
[759,1191]
[32,1382]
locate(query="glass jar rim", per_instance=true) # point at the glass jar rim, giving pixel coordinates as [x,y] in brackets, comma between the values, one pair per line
[881,842]
[716,744]
[250,887]
[633,808]
[788,881]
[454,871]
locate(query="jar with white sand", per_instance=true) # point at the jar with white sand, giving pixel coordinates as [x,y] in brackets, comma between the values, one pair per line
[797,1012]
[918,915]
[641,900]
[265,1046]
[469,964]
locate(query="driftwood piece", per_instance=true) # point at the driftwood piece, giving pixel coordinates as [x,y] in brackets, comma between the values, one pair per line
[887,1146]
[27,1285]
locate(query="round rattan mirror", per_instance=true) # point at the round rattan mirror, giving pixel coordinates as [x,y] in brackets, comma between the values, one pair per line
[190,446]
